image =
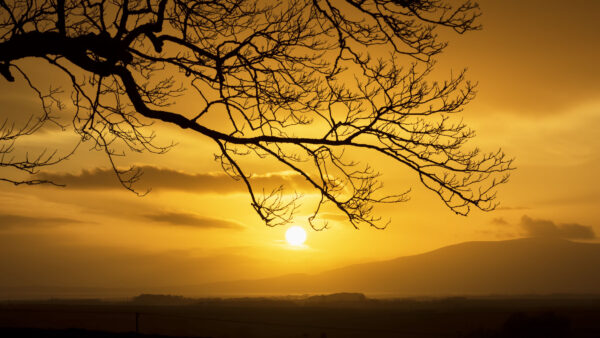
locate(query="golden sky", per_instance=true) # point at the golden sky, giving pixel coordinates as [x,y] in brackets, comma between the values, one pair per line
[538,99]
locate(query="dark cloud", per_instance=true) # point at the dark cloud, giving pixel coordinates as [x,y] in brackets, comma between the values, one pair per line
[11,221]
[191,220]
[168,179]
[499,221]
[546,228]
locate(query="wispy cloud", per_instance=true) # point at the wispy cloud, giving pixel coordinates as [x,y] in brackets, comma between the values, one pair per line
[168,179]
[512,208]
[547,228]
[192,220]
[12,221]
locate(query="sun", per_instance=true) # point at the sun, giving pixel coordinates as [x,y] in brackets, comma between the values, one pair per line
[295,235]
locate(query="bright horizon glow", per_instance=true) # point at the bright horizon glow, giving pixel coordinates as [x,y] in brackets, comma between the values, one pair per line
[295,235]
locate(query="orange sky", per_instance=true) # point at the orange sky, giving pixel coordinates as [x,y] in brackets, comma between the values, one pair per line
[536,63]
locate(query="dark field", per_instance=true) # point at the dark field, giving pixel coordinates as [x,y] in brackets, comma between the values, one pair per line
[317,317]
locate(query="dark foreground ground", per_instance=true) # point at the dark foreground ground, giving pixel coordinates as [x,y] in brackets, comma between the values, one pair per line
[72,333]
[270,318]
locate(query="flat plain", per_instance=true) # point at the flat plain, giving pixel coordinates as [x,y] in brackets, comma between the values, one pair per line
[558,316]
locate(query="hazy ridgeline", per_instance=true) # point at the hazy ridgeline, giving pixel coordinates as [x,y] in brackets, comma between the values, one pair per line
[560,278]
[536,266]
[337,315]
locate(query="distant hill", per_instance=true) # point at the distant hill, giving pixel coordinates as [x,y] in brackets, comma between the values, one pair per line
[514,267]
[343,298]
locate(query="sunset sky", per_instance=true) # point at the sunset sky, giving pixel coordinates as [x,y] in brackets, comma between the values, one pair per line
[538,99]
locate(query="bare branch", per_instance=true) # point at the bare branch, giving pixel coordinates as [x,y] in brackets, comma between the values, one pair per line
[307,83]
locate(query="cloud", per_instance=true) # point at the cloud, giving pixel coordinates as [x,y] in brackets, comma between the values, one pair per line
[499,221]
[546,228]
[333,216]
[191,220]
[512,208]
[168,179]
[11,221]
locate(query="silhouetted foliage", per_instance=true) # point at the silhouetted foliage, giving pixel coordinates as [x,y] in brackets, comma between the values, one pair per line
[545,325]
[340,299]
[302,82]
[523,325]
[150,299]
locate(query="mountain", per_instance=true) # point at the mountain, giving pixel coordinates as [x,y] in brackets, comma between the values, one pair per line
[513,267]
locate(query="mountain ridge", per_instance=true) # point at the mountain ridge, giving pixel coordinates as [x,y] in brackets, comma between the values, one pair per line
[519,266]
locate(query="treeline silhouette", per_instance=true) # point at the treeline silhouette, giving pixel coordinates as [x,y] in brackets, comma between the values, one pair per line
[522,325]
[342,298]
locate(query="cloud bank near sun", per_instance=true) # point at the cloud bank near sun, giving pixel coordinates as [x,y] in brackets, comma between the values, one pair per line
[157,178]
[192,220]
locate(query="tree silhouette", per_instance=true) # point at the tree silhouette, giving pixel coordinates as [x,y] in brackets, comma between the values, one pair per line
[305,82]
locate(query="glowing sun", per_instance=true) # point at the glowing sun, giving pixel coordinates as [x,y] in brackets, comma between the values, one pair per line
[295,235]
